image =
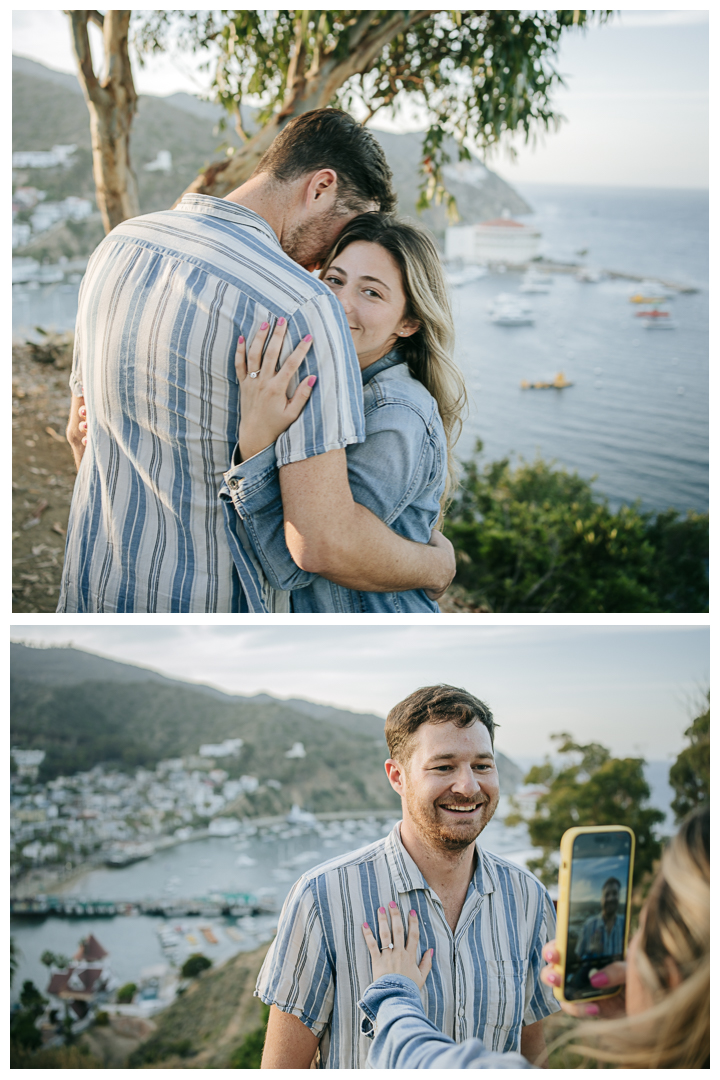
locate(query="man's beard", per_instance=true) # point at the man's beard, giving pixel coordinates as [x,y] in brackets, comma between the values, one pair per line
[309,243]
[449,835]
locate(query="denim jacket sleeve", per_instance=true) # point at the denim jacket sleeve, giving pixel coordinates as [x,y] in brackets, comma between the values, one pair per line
[404,1038]
[252,490]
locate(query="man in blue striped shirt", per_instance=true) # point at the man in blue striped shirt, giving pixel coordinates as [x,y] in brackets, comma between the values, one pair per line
[603,935]
[485,918]
[162,305]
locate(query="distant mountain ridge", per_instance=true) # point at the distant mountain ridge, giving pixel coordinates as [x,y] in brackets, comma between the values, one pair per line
[149,716]
[184,125]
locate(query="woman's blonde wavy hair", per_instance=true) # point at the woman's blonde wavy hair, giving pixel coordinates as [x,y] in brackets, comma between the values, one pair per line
[429,351]
[674,934]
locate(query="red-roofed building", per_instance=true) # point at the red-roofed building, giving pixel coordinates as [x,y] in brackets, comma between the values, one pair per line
[90,950]
[499,240]
[87,980]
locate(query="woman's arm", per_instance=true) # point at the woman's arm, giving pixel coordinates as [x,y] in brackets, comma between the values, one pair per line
[403,1037]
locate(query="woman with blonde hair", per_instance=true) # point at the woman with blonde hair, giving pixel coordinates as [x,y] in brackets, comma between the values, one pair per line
[388,277]
[659,1020]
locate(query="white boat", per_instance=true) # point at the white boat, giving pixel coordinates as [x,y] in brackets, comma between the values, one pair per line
[589,275]
[465,275]
[508,310]
[533,282]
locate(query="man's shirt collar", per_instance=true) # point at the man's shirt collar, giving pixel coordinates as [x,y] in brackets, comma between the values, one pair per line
[230,211]
[407,877]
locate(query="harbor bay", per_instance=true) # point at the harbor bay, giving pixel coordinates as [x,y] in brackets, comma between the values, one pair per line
[636,415]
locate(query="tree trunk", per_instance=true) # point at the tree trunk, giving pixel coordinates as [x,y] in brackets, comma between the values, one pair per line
[313,89]
[112,104]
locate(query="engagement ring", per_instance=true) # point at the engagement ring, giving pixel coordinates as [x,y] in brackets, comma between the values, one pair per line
[254,374]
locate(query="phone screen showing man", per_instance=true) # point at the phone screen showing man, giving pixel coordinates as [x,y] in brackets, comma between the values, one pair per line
[599,879]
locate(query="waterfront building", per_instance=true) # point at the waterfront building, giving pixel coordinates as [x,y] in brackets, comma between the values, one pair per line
[87,980]
[501,240]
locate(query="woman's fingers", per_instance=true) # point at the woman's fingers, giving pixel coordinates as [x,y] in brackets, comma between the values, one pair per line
[384,929]
[294,361]
[240,365]
[613,975]
[398,931]
[300,398]
[255,353]
[370,940]
[550,952]
[413,935]
[274,346]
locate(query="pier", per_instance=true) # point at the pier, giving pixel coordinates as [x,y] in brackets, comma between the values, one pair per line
[212,906]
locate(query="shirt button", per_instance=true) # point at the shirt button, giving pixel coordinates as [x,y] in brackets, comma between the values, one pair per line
[461,1012]
[233,483]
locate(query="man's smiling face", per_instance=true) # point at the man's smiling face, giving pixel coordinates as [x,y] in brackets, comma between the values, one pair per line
[449,783]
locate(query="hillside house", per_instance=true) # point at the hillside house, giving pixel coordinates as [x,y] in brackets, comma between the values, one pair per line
[86,982]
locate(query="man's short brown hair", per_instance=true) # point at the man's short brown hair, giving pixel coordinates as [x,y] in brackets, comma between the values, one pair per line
[332,139]
[433,705]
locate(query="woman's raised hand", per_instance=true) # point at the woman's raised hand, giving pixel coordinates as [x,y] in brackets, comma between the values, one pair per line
[265,409]
[395,957]
[607,978]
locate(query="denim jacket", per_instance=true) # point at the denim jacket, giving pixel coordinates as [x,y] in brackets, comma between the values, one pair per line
[398,473]
[404,1038]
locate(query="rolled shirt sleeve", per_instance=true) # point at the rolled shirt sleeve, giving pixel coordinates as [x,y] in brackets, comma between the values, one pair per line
[297,974]
[333,417]
[539,998]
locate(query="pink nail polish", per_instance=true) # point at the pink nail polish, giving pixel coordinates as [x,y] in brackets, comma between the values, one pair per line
[264,326]
[366,926]
[599,979]
[591,1010]
[413,912]
[281,322]
[308,337]
[432,952]
[393,904]
[84,442]
[312,380]
[381,910]
[241,339]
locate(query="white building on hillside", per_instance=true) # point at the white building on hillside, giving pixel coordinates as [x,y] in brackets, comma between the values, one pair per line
[501,240]
[43,159]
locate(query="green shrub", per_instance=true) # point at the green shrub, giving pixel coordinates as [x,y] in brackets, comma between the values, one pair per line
[194,965]
[126,993]
[102,1018]
[536,538]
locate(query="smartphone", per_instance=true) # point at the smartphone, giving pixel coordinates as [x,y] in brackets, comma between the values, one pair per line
[593,912]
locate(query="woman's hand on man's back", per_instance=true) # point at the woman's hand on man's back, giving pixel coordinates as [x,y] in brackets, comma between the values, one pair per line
[265,409]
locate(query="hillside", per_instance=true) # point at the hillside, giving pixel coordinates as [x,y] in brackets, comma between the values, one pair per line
[85,710]
[48,108]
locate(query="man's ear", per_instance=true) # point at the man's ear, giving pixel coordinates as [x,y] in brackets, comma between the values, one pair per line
[321,188]
[395,775]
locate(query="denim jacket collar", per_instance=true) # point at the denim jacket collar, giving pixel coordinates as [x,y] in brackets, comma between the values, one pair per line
[392,358]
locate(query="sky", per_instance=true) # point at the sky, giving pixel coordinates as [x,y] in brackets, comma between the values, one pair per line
[630,688]
[636,100]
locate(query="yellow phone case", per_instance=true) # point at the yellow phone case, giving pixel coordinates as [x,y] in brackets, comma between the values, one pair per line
[563,907]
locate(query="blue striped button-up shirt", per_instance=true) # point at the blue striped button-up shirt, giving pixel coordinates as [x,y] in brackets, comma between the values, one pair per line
[485,977]
[595,940]
[161,306]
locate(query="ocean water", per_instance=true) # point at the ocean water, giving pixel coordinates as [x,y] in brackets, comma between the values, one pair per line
[637,415]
